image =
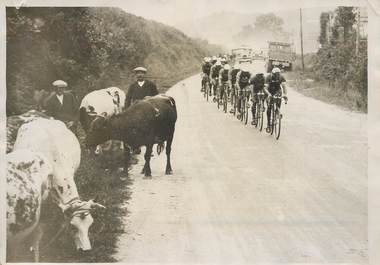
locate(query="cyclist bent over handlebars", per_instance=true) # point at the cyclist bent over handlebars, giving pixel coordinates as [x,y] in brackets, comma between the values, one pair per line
[274,85]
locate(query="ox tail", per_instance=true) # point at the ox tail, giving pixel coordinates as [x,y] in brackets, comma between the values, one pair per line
[172,102]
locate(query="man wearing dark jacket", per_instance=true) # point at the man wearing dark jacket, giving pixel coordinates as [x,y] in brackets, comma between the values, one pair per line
[141,88]
[62,105]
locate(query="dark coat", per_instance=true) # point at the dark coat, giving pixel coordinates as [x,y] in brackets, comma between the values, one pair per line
[135,92]
[68,111]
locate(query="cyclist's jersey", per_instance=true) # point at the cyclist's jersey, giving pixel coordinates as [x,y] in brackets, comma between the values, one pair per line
[215,71]
[224,75]
[274,84]
[258,82]
[234,73]
[244,79]
[206,67]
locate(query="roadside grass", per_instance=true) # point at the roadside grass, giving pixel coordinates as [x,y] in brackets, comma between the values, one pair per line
[347,98]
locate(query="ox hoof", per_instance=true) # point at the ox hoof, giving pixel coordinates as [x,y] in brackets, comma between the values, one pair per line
[169,172]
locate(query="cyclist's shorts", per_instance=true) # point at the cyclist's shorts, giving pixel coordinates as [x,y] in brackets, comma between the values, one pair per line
[276,91]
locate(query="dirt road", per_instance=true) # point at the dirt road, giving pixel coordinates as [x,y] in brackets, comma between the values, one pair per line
[240,196]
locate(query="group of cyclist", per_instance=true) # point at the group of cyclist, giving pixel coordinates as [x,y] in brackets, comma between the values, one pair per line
[240,82]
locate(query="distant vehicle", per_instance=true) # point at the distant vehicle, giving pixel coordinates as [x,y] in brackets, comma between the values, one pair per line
[258,55]
[242,54]
[280,54]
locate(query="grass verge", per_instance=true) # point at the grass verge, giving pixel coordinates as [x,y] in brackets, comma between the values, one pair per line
[347,98]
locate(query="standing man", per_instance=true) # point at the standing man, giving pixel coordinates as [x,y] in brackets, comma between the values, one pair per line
[141,88]
[62,105]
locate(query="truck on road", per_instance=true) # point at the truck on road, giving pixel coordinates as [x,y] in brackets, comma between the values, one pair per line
[280,54]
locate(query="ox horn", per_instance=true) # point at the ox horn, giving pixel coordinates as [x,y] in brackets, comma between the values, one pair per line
[95,205]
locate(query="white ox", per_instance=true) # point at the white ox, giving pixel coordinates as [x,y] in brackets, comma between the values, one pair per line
[49,144]
[103,102]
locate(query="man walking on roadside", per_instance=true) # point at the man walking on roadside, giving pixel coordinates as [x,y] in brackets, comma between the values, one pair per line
[141,88]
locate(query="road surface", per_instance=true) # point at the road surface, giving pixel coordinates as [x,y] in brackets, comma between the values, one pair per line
[240,196]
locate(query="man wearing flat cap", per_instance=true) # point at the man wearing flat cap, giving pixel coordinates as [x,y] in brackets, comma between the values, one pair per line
[62,105]
[141,88]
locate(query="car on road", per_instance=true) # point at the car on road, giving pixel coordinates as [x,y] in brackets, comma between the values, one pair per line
[242,54]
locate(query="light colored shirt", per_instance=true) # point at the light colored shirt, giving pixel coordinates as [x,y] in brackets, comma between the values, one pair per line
[60,98]
[141,83]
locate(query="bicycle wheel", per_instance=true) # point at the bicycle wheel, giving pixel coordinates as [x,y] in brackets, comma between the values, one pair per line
[260,120]
[246,113]
[218,99]
[278,124]
[242,110]
[272,119]
[207,90]
[225,102]
[257,113]
[235,104]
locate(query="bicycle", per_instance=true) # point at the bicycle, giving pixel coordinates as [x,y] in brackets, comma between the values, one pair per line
[234,99]
[260,108]
[244,105]
[206,87]
[276,116]
[224,91]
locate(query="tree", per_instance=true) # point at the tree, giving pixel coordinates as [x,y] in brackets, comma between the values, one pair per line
[269,22]
[324,20]
[345,17]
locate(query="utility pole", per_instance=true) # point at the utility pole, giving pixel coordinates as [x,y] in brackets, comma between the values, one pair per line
[303,64]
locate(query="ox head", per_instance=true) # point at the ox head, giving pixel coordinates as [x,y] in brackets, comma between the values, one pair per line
[81,220]
[99,132]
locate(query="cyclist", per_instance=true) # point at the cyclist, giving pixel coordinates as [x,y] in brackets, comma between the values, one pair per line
[242,82]
[206,67]
[232,80]
[223,79]
[214,74]
[274,85]
[213,60]
[257,82]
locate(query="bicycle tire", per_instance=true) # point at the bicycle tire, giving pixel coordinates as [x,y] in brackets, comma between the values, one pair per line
[246,114]
[278,125]
[257,114]
[261,115]
[272,122]
[225,102]
[242,109]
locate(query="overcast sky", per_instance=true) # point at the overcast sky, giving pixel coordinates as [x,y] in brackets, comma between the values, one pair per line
[172,12]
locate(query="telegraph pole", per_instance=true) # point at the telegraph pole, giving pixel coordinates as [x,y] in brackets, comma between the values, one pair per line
[303,64]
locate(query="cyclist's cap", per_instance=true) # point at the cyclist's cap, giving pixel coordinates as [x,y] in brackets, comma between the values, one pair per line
[140,69]
[208,59]
[218,62]
[59,83]
[276,70]
[226,67]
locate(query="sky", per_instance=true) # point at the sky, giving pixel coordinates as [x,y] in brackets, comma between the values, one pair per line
[172,12]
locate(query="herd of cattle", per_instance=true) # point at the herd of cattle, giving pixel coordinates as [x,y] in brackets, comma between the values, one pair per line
[43,156]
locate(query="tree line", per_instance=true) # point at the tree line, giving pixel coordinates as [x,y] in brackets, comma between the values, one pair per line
[90,48]
[337,63]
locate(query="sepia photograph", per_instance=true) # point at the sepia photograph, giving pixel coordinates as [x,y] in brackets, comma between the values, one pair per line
[187,132]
